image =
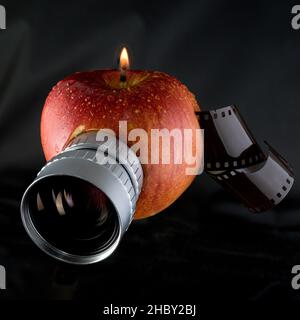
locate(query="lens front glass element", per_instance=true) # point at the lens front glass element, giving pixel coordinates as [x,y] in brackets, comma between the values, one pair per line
[73,215]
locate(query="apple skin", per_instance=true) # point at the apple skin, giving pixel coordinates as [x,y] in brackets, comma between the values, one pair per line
[97,99]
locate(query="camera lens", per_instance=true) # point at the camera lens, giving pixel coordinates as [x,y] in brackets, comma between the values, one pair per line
[83,200]
[73,215]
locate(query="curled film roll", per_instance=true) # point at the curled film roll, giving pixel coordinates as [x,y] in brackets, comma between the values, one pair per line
[234,159]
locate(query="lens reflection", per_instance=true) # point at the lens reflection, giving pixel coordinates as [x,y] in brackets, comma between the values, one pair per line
[73,215]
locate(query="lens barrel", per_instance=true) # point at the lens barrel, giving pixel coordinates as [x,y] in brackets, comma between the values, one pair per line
[83,200]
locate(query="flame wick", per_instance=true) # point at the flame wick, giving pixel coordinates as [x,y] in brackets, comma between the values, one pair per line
[123,77]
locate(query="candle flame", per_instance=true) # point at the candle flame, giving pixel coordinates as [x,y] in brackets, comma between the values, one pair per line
[124,60]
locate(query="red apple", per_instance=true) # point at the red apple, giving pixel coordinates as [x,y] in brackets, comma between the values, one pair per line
[97,99]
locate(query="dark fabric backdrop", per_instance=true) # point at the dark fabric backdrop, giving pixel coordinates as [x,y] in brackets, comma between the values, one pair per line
[205,245]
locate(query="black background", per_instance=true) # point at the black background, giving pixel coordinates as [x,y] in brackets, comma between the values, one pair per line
[205,246]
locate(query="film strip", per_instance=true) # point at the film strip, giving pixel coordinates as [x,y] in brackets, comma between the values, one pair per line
[230,143]
[235,160]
